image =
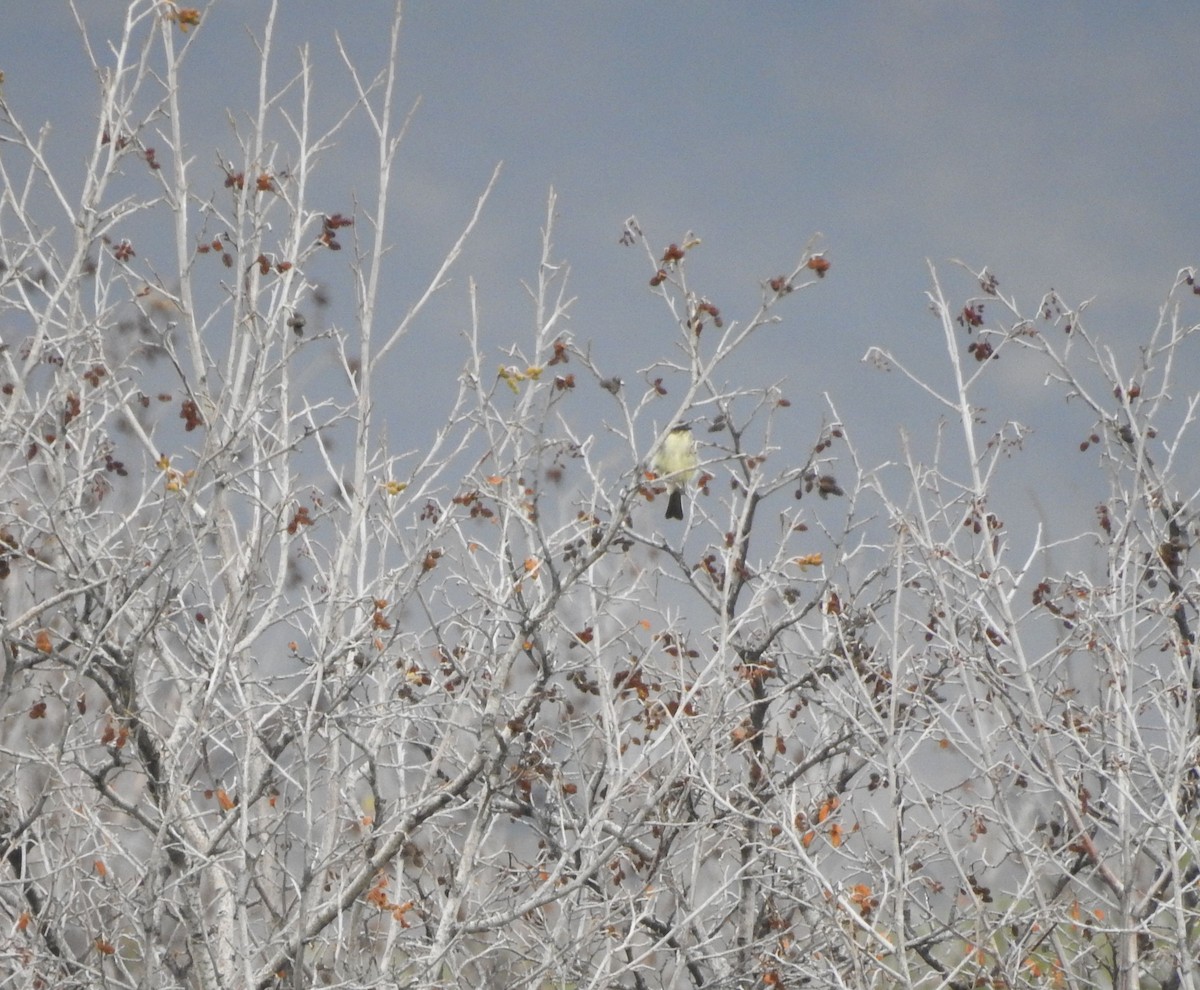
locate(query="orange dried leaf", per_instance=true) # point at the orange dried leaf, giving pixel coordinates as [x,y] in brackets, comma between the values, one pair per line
[42,641]
[224,800]
[826,809]
[187,17]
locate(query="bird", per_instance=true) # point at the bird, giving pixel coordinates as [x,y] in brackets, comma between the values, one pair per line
[676,463]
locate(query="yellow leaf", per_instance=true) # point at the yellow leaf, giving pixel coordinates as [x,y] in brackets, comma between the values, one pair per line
[511,377]
[809,560]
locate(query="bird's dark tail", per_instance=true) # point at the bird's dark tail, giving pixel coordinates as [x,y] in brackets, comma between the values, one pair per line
[675,505]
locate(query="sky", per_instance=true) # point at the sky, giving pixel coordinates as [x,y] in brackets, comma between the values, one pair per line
[1054,143]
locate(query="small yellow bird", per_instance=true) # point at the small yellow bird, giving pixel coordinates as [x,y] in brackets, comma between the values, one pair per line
[675,463]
